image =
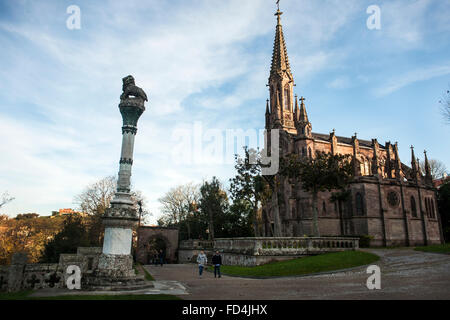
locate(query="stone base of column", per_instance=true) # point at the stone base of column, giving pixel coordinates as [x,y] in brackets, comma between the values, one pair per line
[115,273]
[115,266]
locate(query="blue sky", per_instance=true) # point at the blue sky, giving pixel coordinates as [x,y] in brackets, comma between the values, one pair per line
[204,62]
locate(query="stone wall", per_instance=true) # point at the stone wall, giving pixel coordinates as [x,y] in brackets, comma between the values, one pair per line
[22,276]
[189,250]
[256,251]
[168,235]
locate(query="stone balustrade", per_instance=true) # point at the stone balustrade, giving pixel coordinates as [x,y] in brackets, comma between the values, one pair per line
[285,245]
[196,244]
[256,251]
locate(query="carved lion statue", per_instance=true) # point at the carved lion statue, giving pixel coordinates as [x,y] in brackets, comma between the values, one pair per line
[131,90]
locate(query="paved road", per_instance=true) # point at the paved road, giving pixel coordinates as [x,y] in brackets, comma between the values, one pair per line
[405,274]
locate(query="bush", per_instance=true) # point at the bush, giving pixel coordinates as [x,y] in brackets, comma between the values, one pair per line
[364,241]
[72,236]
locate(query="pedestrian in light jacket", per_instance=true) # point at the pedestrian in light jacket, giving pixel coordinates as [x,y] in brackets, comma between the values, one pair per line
[217,262]
[202,260]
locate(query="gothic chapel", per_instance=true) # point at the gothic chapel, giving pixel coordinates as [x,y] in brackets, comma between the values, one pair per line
[390,201]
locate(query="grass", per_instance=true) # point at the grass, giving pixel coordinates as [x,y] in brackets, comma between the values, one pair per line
[25,295]
[437,248]
[304,266]
[147,275]
[22,295]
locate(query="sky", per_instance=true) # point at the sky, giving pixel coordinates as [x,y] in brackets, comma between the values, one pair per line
[204,65]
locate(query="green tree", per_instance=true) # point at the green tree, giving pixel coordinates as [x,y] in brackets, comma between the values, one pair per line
[238,222]
[248,184]
[73,235]
[323,172]
[213,204]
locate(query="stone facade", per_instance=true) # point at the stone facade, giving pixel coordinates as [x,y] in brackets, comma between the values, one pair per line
[147,234]
[389,200]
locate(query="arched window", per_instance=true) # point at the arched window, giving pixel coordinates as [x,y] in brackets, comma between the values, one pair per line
[413,207]
[310,152]
[433,212]
[427,208]
[324,208]
[286,98]
[359,204]
[366,167]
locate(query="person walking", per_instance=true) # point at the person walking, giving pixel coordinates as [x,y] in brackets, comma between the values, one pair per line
[217,262]
[161,257]
[202,260]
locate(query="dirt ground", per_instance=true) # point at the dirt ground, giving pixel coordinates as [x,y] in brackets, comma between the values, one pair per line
[405,274]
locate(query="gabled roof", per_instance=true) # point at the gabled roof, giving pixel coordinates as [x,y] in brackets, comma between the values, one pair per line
[326,137]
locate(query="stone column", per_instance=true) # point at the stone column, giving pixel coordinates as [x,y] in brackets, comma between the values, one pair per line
[16,271]
[120,219]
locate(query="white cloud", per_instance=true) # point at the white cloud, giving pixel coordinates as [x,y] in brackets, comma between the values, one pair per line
[405,21]
[342,82]
[403,80]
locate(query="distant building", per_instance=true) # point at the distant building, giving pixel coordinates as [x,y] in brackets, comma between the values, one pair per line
[439,182]
[66,212]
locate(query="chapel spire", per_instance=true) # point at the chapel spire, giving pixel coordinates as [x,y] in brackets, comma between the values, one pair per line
[281,83]
[302,123]
[280,60]
[428,176]
[303,114]
[414,166]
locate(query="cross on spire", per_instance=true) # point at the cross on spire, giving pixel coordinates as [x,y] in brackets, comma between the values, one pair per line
[280,61]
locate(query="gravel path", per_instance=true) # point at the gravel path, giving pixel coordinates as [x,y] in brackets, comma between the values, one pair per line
[405,274]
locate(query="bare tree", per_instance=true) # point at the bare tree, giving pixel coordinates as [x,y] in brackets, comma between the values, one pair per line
[178,204]
[445,106]
[5,198]
[437,167]
[95,199]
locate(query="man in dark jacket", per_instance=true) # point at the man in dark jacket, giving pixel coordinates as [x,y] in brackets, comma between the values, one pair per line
[161,257]
[217,262]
